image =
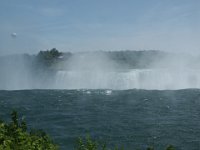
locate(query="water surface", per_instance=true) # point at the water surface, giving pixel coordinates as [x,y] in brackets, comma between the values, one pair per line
[131,118]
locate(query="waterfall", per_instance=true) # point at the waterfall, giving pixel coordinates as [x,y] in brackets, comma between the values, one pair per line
[135,78]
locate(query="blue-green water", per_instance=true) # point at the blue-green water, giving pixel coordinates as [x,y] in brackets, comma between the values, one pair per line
[131,118]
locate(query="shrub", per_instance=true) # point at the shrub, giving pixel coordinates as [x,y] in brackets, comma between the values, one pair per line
[89,144]
[14,136]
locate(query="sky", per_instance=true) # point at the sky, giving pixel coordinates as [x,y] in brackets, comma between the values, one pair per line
[28,26]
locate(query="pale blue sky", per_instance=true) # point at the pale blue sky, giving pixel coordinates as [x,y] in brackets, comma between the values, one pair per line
[87,25]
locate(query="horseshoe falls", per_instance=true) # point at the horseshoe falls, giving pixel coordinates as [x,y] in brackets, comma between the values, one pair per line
[160,79]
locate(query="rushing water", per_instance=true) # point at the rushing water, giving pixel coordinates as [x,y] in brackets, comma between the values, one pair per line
[130,79]
[132,118]
[162,79]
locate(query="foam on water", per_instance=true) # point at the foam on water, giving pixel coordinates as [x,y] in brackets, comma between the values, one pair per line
[108,92]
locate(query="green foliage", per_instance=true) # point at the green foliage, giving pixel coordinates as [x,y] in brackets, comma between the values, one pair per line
[170,147]
[89,144]
[150,148]
[48,57]
[14,136]
[50,54]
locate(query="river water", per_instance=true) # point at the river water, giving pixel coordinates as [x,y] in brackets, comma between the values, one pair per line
[130,118]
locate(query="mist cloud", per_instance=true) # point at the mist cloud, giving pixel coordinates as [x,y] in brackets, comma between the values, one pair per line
[98,70]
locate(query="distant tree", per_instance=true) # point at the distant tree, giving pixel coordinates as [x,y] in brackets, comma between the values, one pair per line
[49,54]
[48,57]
